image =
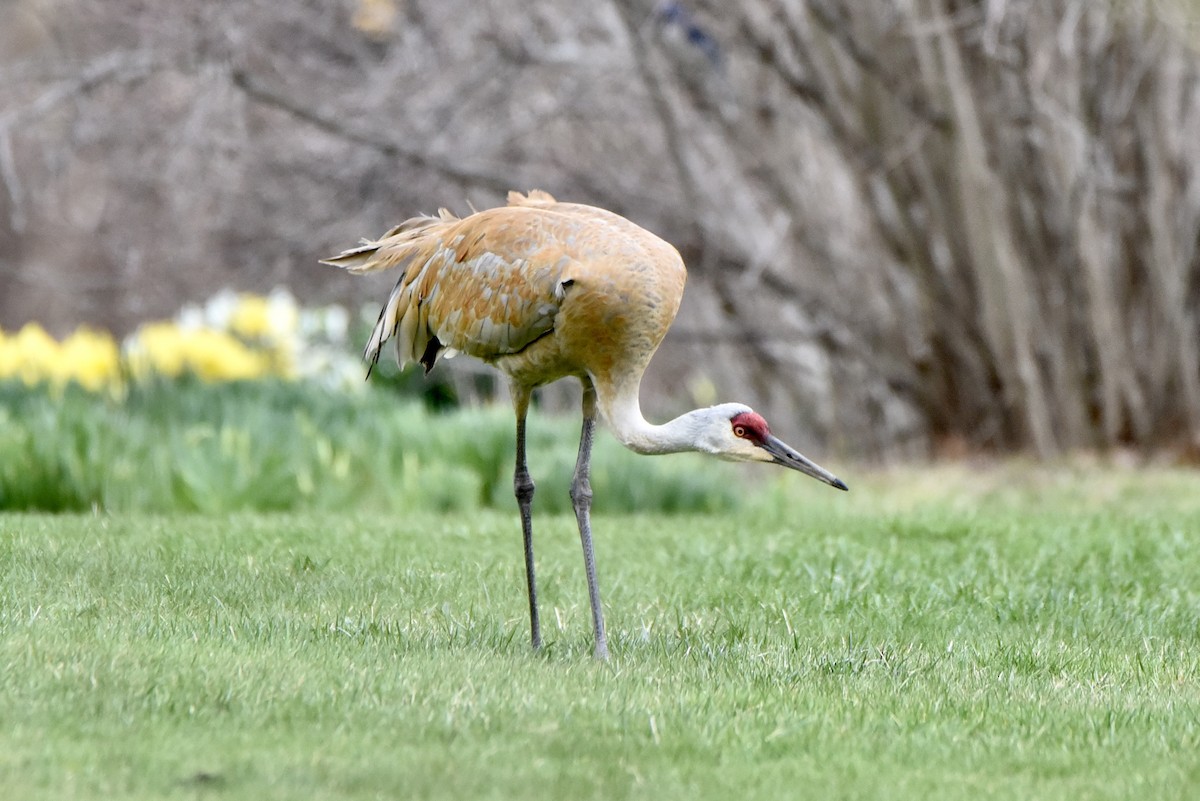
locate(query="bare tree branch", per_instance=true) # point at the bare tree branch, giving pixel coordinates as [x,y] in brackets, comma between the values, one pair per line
[120,66]
[471,177]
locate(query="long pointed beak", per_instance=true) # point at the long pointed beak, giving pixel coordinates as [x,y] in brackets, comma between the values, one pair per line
[786,455]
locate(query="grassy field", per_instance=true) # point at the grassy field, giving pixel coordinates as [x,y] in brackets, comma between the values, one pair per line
[1008,633]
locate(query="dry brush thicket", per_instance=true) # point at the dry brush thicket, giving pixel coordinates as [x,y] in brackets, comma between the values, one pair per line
[911,225]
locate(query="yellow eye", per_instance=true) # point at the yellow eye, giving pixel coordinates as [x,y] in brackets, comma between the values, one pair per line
[739,431]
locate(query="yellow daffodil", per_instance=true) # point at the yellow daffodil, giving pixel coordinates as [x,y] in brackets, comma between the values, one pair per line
[156,348]
[168,350]
[88,357]
[36,355]
[218,356]
[92,359]
[232,337]
[273,317]
[251,317]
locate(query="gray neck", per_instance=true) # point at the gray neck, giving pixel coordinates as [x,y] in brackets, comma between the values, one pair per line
[623,414]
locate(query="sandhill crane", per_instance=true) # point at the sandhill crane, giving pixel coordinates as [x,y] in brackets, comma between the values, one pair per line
[544,290]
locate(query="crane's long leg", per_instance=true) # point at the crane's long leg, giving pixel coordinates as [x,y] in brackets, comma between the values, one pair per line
[581,500]
[523,488]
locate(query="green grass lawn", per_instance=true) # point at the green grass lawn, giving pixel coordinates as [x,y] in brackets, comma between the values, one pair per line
[1015,633]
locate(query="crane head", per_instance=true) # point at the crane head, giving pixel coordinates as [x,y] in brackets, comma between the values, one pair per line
[740,434]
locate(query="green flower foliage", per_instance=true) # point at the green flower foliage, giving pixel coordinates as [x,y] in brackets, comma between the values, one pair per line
[187,445]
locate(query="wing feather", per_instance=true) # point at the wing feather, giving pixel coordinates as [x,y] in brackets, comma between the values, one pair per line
[484,285]
[407,335]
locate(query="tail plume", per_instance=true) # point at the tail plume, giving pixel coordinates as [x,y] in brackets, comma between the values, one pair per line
[356,260]
[390,250]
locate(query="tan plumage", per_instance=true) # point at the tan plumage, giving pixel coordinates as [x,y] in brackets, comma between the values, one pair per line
[498,283]
[545,290]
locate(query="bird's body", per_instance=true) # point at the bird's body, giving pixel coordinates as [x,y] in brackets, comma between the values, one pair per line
[540,289]
[545,290]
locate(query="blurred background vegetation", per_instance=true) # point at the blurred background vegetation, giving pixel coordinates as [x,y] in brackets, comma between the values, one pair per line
[250,402]
[914,228]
